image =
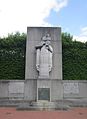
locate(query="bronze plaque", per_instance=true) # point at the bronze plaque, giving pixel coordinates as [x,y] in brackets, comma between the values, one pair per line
[44,94]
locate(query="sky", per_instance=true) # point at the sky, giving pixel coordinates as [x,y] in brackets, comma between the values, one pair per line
[70,15]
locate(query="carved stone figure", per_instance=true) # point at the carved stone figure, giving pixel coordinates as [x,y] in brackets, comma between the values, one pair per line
[44,53]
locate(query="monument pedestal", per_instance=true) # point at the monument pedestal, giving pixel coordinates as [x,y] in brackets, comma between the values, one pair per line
[43,74]
[50,90]
[43,94]
[43,89]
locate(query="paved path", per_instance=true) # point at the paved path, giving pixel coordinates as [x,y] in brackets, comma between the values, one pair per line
[12,113]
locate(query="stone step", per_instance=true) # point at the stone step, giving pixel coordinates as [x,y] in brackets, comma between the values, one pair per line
[43,105]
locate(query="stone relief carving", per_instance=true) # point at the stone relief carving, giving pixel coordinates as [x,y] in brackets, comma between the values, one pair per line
[44,52]
[71,88]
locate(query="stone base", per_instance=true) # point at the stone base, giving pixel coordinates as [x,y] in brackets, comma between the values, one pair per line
[43,105]
[51,90]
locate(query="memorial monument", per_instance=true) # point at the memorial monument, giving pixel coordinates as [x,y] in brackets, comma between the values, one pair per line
[43,87]
[43,73]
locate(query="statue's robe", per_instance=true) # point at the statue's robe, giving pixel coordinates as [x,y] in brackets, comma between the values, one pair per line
[44,61]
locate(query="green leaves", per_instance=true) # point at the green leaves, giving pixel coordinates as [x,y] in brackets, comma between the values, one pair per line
[12,56]
[74,59]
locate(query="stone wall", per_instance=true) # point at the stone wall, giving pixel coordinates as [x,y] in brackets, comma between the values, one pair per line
[75,89]
[12,89]
[27,89]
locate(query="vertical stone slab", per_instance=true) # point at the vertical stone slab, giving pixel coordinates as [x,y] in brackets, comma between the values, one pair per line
[16,89]
[34,35]
[4,90]
[30,90]
[56,90]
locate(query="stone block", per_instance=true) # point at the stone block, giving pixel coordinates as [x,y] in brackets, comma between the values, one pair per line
[75,89]
[83,89]
[55,87]
[34,35]
[30,90]
[16,89]
[4,92]
[56,90]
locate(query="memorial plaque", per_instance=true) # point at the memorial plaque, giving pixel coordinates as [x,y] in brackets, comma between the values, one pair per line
[71,88]
[44,94]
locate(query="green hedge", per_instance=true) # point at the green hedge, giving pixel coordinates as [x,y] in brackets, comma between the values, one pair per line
[75,64]
[74,59]
[12,57]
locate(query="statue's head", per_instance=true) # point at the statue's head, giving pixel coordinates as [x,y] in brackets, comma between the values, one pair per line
[47,43]
[46,37]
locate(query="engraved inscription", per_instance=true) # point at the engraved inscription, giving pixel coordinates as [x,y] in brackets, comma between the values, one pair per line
[71,88]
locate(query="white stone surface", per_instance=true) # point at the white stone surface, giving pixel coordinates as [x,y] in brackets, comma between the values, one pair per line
[71,88]
[44,53]
[16,87]
[59,89]
[34,35]
[3,89]
[30,90]
[55,86]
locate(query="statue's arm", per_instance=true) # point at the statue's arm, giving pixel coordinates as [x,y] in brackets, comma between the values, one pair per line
[38,59]
[50,48]
[50,57]
[50,61]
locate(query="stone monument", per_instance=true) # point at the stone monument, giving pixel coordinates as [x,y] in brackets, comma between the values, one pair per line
[43,72]
[43,87]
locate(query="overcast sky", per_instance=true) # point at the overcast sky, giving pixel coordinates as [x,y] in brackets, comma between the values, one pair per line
[70,15]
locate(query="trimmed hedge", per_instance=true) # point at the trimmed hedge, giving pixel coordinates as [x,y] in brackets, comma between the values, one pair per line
[74,58]
[12,57]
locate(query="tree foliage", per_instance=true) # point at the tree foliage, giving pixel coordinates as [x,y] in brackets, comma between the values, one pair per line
[12,57]
[74,58]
